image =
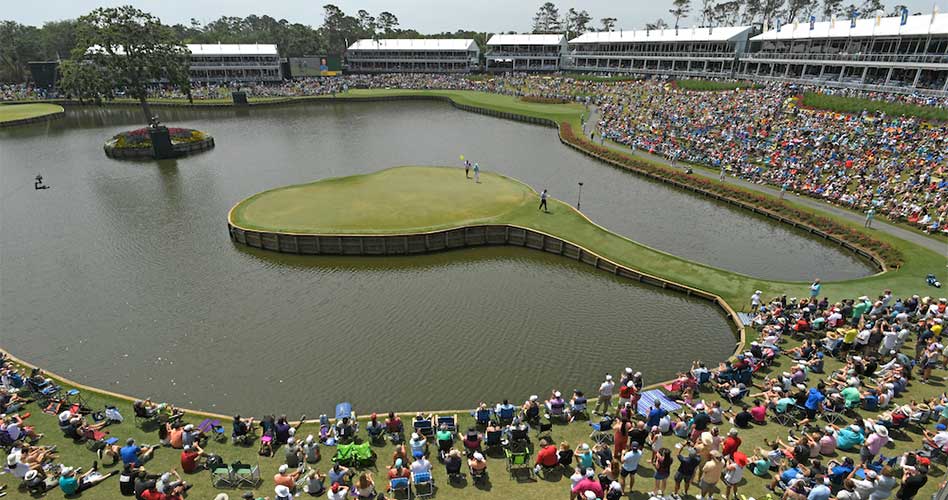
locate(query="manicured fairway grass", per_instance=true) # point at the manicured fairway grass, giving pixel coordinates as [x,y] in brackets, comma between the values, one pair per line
[398,200]
[11,112]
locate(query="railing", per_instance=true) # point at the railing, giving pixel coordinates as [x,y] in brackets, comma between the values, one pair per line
[677,55]
[817,56]
[422,57]
[898,89]
[203,64]
[495,53]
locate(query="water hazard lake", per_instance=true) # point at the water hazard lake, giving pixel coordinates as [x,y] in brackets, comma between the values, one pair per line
[122,275]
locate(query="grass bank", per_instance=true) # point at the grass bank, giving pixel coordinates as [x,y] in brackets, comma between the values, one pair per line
[857,105]
[16,112]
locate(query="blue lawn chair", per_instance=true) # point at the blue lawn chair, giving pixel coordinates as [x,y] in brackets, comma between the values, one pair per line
[423,427]
[481,417]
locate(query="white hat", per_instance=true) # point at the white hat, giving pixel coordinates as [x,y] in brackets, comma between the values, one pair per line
[590,472]
[187,447]
[65,415]
[637,374]
[283,468]
[12,459]
[309,439]
[478,456]
[414,435]
[291,440]
[282,491]
[189,427]
[630,384]
[534,397]
[66,471]
[758,291]
[589,495]
[608,377]
[557,394]
[30,475]
[881,430]
[628,370]
[855,428]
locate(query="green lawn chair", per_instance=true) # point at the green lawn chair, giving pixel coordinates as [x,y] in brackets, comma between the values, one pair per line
[518,461]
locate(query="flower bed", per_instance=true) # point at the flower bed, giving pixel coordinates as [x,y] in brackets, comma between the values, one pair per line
[891,256]
[137,143]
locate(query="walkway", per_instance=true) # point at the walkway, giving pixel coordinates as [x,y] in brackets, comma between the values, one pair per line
[899,232]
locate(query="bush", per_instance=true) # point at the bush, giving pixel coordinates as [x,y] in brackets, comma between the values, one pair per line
[857,105]
[890,255]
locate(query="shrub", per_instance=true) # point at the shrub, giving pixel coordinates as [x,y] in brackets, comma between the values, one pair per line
[140,139]
[713,86]
[543,100]
[857,105]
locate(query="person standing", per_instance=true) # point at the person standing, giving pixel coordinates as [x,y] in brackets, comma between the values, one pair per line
[869,215]
[477,173]
[605,396]
[467,169]
[783,190]
[543,197]
[815,288]
[755,300]
[723,173]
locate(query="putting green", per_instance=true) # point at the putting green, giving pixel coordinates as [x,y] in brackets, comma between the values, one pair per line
[13,112]
[393,201]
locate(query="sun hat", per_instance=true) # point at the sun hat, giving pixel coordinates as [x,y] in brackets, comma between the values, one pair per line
[414,435]
[12,459]
[589,495]
[30,475]
[67,471]
[882,431]
[309,439]
[534,397]
[871,474]
[557,394]
[189,427]
[282,491]
[628,370]
[855,428]
[291,440]
[740,459]
[283,468]
[584,446]
[630,384]
[608,377]
[590,473]
[187,447]
[478,456]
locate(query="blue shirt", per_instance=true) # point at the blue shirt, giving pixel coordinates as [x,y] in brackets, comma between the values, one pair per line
[847,439]
[819,492]
[654,416]
[129,454]
[69,485]
[789,475]
[814,399]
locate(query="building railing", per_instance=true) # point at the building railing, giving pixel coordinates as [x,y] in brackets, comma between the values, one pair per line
[523,54]
[906,88]
[820,56]
[419,57]
[248,64]
[679,55]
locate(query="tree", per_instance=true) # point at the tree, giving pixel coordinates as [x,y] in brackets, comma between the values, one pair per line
[659,24]
[798,7]
[770,10]
[726,13]
[897,10]
[83,80]
[752,11]
[59,37]
[577,22]
[367,22]
[869,8]
[387,22]
[832,8]
[547,19]
[130,49]
[680,9]
[707,12]
[608,23]
[18,45]
[340,29]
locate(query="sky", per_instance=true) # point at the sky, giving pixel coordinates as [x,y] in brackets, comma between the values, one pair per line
[427,16]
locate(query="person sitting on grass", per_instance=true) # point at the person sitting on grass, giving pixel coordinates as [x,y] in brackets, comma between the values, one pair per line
[287,478]
[374,428]
[72,484]
[240,429]
[191,457]
[14,426]
[338,474]
[315,483]
[311,450]
[394,428]
[292,454]
[135,455]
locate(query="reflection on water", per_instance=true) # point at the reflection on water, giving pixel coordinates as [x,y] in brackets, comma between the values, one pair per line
[122,274]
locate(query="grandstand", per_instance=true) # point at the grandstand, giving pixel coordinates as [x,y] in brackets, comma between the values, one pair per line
[884,53]
[413,55]
[710,52]
[221,63]
[526,52]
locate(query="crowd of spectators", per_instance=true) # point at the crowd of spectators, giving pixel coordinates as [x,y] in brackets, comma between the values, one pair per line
[840,418]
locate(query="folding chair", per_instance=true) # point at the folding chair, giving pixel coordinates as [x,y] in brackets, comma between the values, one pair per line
[478,476]
[481,417]
[246,475]
[400,488]
[423,427]
[601,432]
[451,421]
[505,415]
[558,413]
[493,440]
[545,428]
[222,477]
[784,418]
[74,397]
[518,461]
[424,485]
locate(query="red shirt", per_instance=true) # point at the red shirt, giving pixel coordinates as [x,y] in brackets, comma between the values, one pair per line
[759,413]
[731,443]
[547,456]
[153,495]
[625,392]
[189,461]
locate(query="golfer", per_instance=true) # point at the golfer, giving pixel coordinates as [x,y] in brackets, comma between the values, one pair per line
[869,215]
[543,197]
[467,169]
[477,173]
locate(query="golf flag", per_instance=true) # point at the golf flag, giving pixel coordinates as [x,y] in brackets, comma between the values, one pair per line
[796,24]
[833,22]
[779,24]
[904,20]
[766,25]
[879,18]
[934,13]
[812,23]
[852,22]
